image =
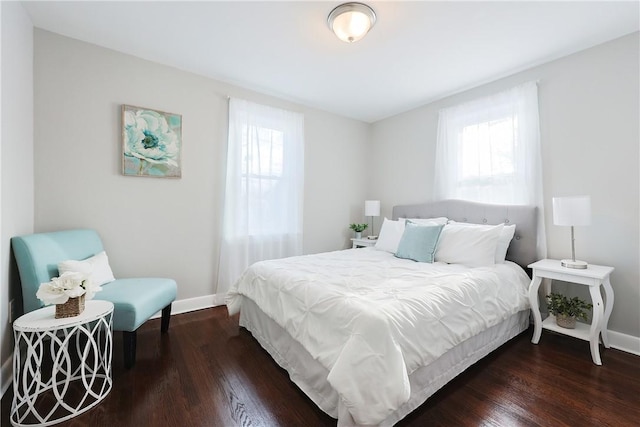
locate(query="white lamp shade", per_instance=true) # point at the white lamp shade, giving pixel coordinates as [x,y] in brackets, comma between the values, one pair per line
[574,210]
[372,208]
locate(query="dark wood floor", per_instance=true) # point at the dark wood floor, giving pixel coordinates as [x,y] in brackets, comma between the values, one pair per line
[209,372]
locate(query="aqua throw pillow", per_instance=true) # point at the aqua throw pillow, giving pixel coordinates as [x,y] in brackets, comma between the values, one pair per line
[419,242]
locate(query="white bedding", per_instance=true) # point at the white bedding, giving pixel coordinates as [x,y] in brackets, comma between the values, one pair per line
[371,319]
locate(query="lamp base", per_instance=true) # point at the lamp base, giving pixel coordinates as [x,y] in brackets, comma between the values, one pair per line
[569,263]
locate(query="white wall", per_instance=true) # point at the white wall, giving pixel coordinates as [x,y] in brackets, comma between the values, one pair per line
[16,153]
[589,120]
[167,227]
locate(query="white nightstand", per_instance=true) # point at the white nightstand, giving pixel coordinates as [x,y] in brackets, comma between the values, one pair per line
[363,243]
[593,277]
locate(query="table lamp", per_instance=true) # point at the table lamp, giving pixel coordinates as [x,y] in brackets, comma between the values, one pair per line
[572,211]
[372,208]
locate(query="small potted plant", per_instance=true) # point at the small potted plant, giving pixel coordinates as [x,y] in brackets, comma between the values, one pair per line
[358,228]
[567,310]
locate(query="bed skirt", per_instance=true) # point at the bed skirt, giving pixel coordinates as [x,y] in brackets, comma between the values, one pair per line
[311,377]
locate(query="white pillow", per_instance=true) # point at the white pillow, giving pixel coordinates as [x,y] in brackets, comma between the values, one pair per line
[441,220]
[470,246]
[97,267]
[503,241]
[508,231]
[390,235]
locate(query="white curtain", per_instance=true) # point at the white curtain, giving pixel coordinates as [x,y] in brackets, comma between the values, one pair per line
[264,188]
[488,151]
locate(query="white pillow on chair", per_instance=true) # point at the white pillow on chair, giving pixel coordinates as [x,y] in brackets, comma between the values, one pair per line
[96,267]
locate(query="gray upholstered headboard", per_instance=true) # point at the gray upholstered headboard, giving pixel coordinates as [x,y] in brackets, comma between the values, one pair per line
[522,249]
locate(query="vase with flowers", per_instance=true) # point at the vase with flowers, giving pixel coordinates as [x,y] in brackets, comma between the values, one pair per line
[68,292]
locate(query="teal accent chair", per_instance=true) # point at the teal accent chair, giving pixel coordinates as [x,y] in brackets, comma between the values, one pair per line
[134,300]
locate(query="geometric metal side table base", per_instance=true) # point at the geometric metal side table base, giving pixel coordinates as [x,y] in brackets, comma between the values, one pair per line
[61,367]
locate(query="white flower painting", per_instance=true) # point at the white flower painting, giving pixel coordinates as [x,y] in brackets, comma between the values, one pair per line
[152,143]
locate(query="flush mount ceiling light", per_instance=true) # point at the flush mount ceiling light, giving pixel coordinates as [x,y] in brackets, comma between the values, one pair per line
[351,21]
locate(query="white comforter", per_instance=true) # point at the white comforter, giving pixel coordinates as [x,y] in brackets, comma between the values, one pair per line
[371,319]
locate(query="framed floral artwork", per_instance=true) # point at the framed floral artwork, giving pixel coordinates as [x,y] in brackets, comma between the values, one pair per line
[151,143]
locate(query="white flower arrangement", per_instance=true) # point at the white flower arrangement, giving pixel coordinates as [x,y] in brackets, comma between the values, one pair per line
[68,285]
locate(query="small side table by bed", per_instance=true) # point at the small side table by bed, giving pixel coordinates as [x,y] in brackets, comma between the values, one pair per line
[363,243]
[594,277]
[61,367]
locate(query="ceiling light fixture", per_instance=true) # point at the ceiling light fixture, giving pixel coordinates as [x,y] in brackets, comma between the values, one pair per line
[351,21]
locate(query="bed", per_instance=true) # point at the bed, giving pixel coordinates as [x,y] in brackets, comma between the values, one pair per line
[368,337]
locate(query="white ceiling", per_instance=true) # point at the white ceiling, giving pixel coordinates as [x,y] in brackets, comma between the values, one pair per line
[417,52]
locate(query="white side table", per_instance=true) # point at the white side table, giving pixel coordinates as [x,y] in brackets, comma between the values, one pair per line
[593,277]
[363,243]
[78,349]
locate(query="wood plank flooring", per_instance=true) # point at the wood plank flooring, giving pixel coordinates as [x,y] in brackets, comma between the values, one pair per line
[209,372]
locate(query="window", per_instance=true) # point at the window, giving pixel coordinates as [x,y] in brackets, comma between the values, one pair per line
[487,160]
[261,179]
[488,150]
[264,188]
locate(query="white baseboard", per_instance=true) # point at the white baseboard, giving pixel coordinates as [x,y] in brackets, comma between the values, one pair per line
[624,342]
[6,373]
[194,304]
